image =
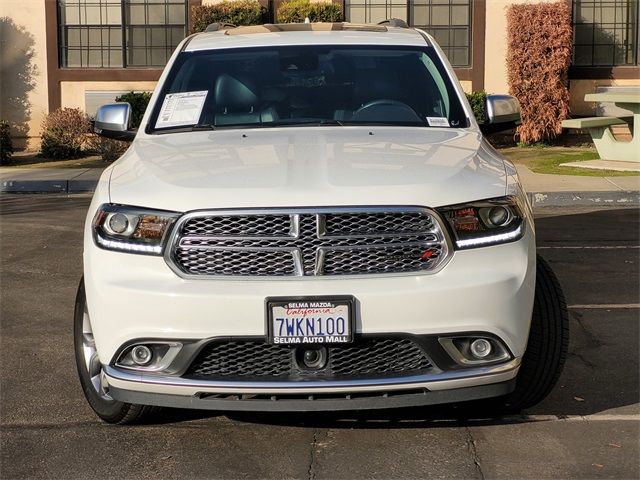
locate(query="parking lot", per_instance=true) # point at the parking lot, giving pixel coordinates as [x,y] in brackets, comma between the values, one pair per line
[589,427]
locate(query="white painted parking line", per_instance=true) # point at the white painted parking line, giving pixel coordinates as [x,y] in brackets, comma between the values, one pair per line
[588,247]
[605,306]
[596,417]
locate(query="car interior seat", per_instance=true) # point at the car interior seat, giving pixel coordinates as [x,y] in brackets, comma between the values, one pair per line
[237,101]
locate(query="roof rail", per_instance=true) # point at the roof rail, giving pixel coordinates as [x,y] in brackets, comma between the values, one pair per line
[216,27]
[394,22]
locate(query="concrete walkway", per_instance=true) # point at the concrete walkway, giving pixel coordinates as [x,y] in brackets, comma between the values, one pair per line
[543,189]
[48,180]
[560,190]
[605,165]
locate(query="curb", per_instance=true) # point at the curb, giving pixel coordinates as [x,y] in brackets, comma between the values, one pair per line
[47,186]
[628,198]
[537,199]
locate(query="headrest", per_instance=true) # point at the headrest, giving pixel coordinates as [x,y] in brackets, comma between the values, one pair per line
[235,92]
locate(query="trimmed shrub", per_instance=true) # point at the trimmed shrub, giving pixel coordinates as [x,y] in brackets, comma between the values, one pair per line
[235,12]
[478,102]
[6,145]
[138,102]
[108,148]
[63,133]
[295,11]
[538,58]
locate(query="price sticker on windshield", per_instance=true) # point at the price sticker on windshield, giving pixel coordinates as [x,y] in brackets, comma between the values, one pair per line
[181,109]
[438,121]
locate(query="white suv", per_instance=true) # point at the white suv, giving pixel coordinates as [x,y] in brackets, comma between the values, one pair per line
[309,218]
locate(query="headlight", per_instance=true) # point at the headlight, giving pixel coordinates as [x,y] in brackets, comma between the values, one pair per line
[487,222]
[131,229]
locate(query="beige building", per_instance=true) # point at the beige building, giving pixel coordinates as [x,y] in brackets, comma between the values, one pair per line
[82,53]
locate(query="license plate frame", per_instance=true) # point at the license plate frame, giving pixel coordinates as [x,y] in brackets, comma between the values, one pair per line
[311,303]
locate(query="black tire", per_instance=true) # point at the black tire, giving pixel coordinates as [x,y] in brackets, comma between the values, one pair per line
[546,351]
[108,409]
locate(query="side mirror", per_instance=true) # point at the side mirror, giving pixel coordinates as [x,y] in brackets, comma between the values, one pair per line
[502,112]
[113,120]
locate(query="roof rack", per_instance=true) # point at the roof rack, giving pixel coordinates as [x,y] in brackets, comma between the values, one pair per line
[303,27]
[394,22]
[216,27]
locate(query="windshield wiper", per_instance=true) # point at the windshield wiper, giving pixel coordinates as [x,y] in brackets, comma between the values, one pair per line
[331,122]
[198,127]
[303,123]
[202,126]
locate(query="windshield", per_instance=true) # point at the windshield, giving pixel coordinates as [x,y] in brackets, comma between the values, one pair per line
[303,85]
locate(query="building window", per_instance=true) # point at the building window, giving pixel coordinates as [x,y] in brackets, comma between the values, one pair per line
[120,33]
[605,33]
[374,11]
[449,21]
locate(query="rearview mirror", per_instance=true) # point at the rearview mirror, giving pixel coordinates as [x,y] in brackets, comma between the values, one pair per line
[113,120]
[502,113]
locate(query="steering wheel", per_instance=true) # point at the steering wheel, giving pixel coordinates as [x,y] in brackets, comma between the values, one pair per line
[399,110]
[384,101]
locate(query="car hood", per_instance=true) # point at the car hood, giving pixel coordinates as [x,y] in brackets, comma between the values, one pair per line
[301,166]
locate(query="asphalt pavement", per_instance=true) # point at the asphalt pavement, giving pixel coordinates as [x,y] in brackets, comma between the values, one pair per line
[589,427]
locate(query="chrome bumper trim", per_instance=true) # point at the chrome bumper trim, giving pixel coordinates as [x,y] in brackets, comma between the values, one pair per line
[338,402]
[431,381]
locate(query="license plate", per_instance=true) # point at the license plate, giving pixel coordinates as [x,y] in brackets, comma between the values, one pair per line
[310,320]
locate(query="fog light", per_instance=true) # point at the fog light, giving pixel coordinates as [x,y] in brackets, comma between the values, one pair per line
[480,348]
[149,357]
[141,355]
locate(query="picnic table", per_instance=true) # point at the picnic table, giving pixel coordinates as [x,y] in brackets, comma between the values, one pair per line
[599,127]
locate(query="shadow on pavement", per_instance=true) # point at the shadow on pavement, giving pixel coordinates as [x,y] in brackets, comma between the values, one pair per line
[28,205]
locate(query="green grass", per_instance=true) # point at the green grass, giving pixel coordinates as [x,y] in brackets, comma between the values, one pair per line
[34,161]
[548,159]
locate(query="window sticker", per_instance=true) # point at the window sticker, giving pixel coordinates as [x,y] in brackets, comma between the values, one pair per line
[180,109]
[437,121]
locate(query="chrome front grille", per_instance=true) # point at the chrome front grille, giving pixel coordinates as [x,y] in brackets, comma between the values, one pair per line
[304,242]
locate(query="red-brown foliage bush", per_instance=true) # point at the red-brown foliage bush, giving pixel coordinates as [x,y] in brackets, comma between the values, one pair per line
[538,58]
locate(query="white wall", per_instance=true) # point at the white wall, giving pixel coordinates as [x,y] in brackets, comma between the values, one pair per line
[495,44]
[23,69]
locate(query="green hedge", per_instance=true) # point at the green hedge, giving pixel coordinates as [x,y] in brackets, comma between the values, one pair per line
[478,102]
[138,102]
[6,145]
[235,12]
[295,11]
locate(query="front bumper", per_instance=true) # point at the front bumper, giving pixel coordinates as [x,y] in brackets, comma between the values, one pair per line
[428,389]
